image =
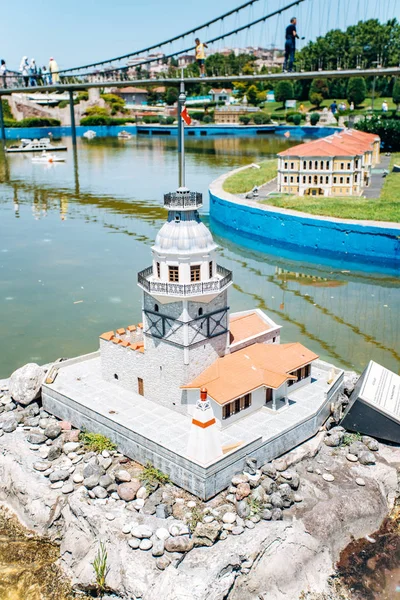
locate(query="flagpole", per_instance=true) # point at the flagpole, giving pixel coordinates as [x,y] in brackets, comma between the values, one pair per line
[181,132]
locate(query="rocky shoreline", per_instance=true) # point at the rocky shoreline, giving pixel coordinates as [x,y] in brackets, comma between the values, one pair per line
[277,532]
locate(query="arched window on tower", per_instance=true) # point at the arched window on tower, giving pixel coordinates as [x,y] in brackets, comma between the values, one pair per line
[200,311]
[156,308]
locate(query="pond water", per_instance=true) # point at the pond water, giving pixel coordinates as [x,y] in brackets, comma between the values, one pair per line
[74,235]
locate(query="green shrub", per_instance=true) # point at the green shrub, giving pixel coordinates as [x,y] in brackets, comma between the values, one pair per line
[244,119]
[207,119]
[64,103]
[396,93]
[284,91]
[7,110]
[316,99]
[96,442]
[314,118]
[96,110]
[290,115]
[83,96]
[148,119]
[387,129]
[94,120]
[261,118]
[197,115]
[37,122]
[169,120]
[296,119]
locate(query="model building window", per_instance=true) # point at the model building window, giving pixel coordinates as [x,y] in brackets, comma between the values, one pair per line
[327,179]
[341,180]
[210,269]
[348,166]
[321,179]
[356,177]
[291,180]
[285,179]
[304,164]
[327,164]
[341,166]
[316,164]
[173,273]
[300,374]
[334,179]
[356,163]
[195,273]
[292,165]
[309,179]
[158,270]
[304,178]
[286,165]
[322,164]
[310,164]
[347,179]
[236,406]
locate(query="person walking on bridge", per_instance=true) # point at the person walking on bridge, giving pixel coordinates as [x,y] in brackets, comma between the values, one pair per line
[24,70]
[53,69]
[32,72]
[290,45]
[201,56]
[3,73]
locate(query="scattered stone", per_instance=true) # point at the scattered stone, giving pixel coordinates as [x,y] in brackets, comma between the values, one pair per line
[334,439]
[10,425]
[158,547]
[229,518]
[127,491]
[99,492]
[242,491]
[91,482]
[138,504]
[110,517]
[276,500]
[105,454]
[360,481]
[280,464]
[328,477]
[105,480]
[52,431]
[242,478]
[67,488]
[269,470]
[141,531]
[191,504]
[142,493]
[43,423]
[310,469]
[145,544]
[352,457]
[71,436]
[31,421]
[41,465]
[243,509]
[122,476]
[126,528]
[206,534]
[298,498]
[276,514]
[25,383]
[162,533]
[70,447]
[180,543]
[59,475]
[77,478]
[269,485]
[65,425]
[57,485]
[224,534]
[249,524]
[366,458]
[254,480]
[161,511]
[54,452]
[251,465]
[357,447]
[162,563]
[36,438]
[370,443]
[266,514]
[134,543]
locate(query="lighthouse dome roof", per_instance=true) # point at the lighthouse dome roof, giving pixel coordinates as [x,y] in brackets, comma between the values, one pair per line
[186,235]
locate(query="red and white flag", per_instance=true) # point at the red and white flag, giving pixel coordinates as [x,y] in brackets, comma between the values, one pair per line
[186,117]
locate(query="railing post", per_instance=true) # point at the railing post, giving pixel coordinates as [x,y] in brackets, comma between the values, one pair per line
[72,112]
[2,127]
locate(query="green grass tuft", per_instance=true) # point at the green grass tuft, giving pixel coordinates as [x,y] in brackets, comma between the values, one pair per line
[244,181]
[151,476]
[100,568]
[96,442]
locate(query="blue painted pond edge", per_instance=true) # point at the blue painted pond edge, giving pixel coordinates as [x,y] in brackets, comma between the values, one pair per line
[365,245]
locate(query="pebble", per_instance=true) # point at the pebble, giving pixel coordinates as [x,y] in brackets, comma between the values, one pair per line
[163,562]
[67,488]
[328,477]
[191,504]
[352,457]
[298,498]
[77,478]
[59,475]
[70,447]
[249,524]
[110,517]
[229,518]
[122,476]
[57,485]
[208,519]
[141,531]
[100,492]
[158,547]
[310,469]
[237,530]
[126,529]
[134,543]
[162,533]
[41,466]
[360,481]
[105,454]
[228,526]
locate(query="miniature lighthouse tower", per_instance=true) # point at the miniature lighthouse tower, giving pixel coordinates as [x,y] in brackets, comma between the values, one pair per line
[204,443]
[185,303]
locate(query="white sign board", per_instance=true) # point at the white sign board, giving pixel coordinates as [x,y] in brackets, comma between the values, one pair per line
[290,104]
[381,388]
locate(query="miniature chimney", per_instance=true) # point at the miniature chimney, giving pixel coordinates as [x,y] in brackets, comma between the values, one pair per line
[204,443]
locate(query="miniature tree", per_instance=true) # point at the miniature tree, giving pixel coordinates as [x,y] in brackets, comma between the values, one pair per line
[319,90]
[284,91]
[356,90]
[396,93]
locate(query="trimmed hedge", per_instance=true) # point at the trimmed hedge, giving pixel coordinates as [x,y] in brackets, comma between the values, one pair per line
[95,120]
[387,129]
[34,122]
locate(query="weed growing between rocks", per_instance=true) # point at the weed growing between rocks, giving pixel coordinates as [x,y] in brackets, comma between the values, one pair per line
[96,442]
[349,438]
[152,477]
[100,568]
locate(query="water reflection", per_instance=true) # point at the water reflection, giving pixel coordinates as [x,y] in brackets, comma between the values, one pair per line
[74,236]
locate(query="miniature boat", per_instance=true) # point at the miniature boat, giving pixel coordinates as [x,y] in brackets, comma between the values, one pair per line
[124,135]
[47,158]
[89,135]
[35,145]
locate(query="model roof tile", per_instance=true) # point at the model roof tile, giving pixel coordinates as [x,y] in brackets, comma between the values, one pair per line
[108,335]
[345,143]
[245,326]
[247,369]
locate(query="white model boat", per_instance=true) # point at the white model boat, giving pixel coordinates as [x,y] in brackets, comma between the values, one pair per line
[47,158]
[89,135]
[41,145]
[124,135]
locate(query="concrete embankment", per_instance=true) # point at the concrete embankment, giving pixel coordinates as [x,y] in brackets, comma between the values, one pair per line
[270,229]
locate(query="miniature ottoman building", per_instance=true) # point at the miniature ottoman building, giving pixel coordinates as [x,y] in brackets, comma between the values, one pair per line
[188,340]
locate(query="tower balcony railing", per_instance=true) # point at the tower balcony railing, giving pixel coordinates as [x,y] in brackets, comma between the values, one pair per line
[182,200]
[155,286]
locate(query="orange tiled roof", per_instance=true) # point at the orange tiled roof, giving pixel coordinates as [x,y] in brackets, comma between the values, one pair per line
[242,327]
[250,368]
[346,143]
[108,335]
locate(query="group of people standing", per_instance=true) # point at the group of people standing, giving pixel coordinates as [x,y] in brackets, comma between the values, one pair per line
[31,73]
[34,75]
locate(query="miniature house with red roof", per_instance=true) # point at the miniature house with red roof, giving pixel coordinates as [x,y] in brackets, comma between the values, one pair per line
[189,340]
[337,165]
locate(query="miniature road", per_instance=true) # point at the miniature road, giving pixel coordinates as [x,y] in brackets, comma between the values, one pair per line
[377,179]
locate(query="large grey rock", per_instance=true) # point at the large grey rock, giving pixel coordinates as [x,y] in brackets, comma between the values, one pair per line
[335,439]
[91,482]
[59,475]
[243,509]
[122,476]
[105,480]
[127,491]
[92,468]
[366,458]
[54,452]
[52,431]
[141,532]
[100,492]
[158,547]
[370,443]
[25,383]
[10,424]
[270,486]
[276,500]
[31,421]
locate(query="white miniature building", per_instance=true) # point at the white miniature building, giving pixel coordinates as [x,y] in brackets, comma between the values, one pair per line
[188,340]
[337,165]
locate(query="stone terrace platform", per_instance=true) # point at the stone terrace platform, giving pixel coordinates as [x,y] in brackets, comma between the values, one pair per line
[146,431]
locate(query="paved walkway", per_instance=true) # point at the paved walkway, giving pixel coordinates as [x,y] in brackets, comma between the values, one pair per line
[377,179]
